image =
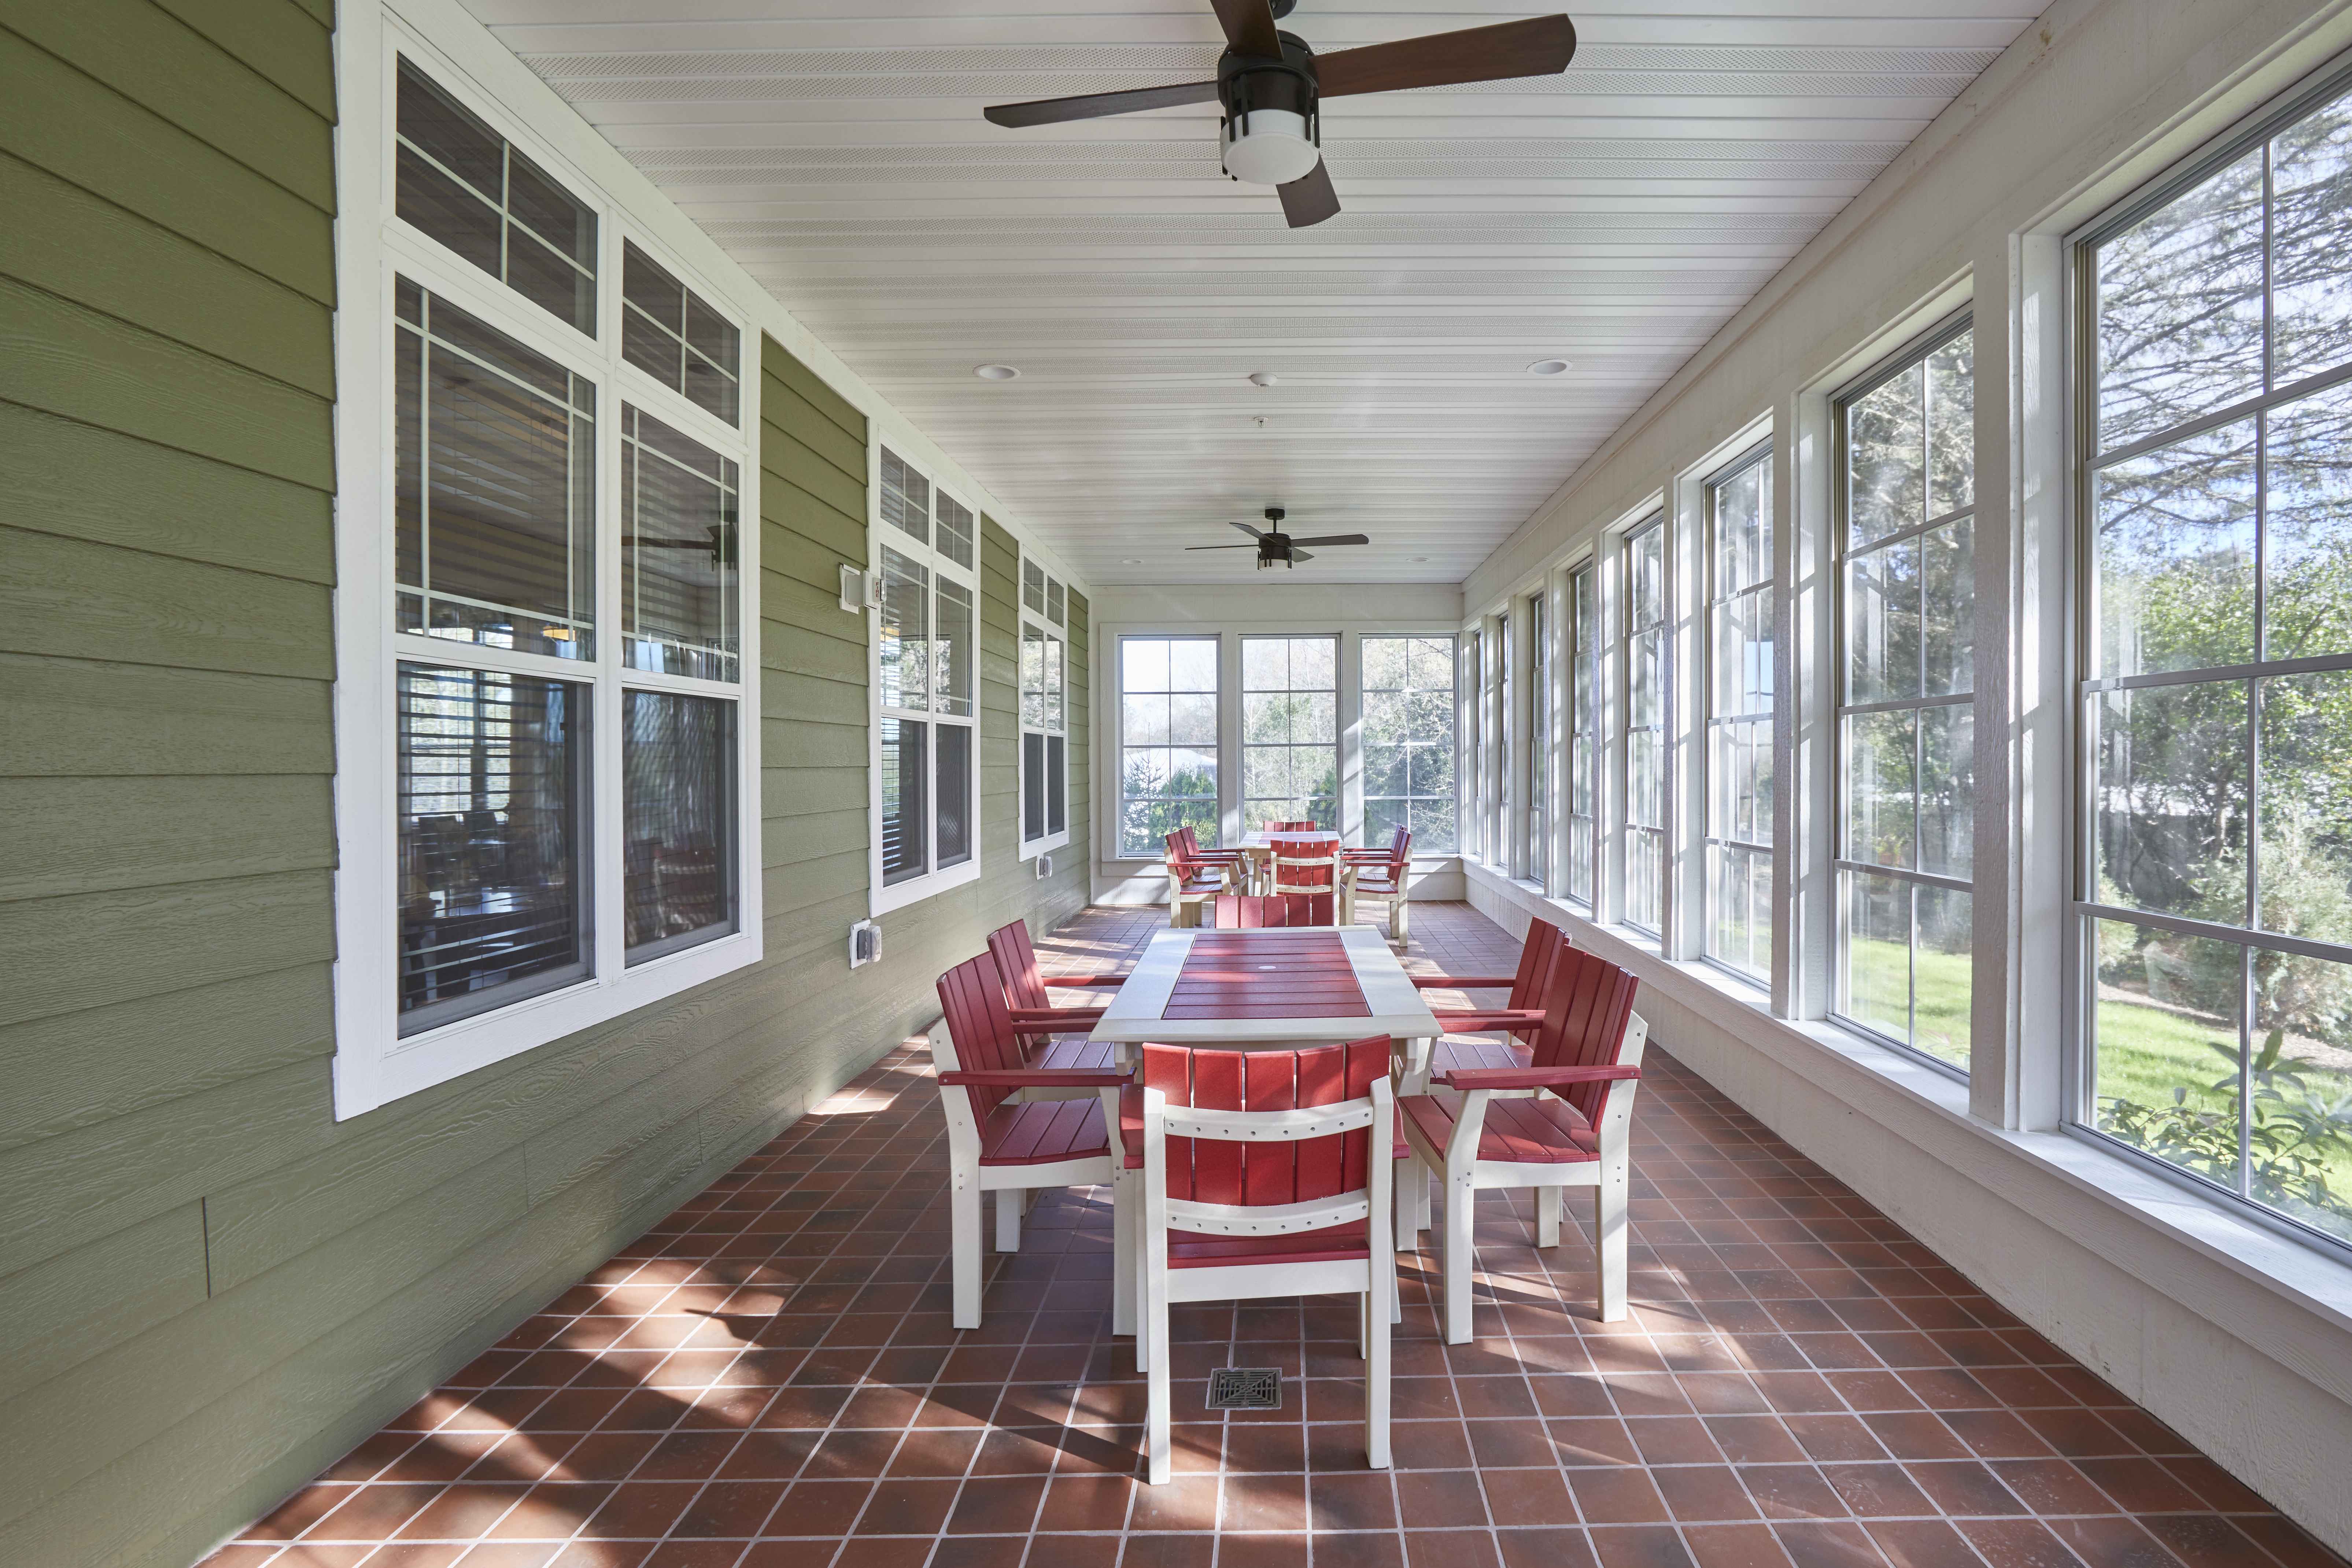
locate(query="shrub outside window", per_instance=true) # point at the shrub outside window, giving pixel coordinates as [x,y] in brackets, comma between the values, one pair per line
[1168,742]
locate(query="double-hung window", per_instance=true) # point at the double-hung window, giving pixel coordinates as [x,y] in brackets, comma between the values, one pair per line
[926,656]
[1906,707]
[542,617]
[1044,719]
[1739,718]
[2215,884]
[1580,701]
[1539,708]
[1471,694]
[1168,719]
[1408,723]
[1642,559]
[1290,731]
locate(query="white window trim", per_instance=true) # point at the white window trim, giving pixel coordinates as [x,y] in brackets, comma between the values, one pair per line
[373,1065]
[1756,444]
[1242,690]
[1033,848]
[882,900]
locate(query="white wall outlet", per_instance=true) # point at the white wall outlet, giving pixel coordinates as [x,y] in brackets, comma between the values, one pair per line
[864,944]
[859,590]
[1045,864]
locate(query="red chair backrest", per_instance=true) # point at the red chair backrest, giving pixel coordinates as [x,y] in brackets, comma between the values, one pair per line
[972,999]
[1238,911]
[1273,1172]
[1400,850]
[1587,1001]
[1307,827]
[1536,956]
[1017,960]
[1179,859]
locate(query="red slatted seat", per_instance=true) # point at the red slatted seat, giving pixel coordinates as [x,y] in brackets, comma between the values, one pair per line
[1041,1132]
[1544,1131]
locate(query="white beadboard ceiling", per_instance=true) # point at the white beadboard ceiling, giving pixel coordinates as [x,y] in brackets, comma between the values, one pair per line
[1613,217]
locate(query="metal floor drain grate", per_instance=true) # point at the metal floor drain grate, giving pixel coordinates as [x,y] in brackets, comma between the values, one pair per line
[1245,1388]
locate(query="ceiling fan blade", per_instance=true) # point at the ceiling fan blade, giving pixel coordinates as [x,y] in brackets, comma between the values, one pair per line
[1249,26]
[1246,527]
[1540,46]
[1095,105]
[1309,199]
[1220,547]
[1335,539]
[1298,555]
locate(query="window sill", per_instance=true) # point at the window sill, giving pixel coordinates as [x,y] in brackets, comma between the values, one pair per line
[1045,845]
[2121,1202]
[899,895]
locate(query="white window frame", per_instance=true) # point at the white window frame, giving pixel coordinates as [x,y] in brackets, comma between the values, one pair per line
[373,1064]
[1582,716]
[880,535]
[1056,631]
[1628,628]
[1713,837]
[1252,816]
[1351,659]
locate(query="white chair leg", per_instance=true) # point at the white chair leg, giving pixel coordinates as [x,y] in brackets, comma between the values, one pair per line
[1420,1203]
[1126,1193]
[1461,1257]
[1376,1369]
[1412,1176]
[1548,1205]
[1609,1234]
[1397,932]
[964,1224]
[1157,1418]
[1008,1218]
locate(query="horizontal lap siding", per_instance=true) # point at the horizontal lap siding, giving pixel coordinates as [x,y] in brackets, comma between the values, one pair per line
[209,1288]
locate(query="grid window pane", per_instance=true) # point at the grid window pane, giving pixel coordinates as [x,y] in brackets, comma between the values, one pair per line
[906,794]
[1738,928]
[1584,735]
[952,842]
[1409,743]
[906,499]
[2166,1037]
[904,633]
[1646,728]
[677,809]
[1168,741]
[1906,765]
[671,335]
[952,523]
[493,808]
[679,583]
[1290,756]
[495,489]
[1538,744]
[464,184]
[954,652]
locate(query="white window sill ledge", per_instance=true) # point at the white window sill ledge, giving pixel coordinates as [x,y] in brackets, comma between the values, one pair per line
[1930,1111]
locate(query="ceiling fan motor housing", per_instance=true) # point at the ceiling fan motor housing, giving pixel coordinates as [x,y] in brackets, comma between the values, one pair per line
[1273,128]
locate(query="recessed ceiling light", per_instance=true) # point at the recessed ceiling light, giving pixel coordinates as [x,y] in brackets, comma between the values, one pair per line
[994,372]
[1130,560]
[1547,367]
[1262,378]
[1420,558]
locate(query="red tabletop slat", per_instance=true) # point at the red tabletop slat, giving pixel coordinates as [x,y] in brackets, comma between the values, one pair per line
[1266,974]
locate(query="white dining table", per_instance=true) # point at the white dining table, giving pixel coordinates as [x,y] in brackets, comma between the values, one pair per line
[1278,989]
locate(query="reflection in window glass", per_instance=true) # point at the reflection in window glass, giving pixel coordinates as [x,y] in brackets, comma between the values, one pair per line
[1409,743]
[1168,741]
[679,542]
[667,331]
[2215,799]
[495,486]
[464,184]
[677,827]
[905,746]
[1739,720]
[906,497]
[953,845]
[493,840]
[1906,733]
[904,630]
[1290,731]
[1042,720]
[954,524]
[1645,727]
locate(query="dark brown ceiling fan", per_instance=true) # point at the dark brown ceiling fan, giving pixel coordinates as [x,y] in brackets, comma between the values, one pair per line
[1275,547]
[1271,85]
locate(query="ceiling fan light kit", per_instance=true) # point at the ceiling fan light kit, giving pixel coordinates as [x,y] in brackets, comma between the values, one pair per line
[1271,85]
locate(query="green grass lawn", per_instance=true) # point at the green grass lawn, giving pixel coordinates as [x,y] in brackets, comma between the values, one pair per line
[1879,969]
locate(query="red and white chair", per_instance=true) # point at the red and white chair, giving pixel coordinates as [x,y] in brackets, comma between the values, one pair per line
[1001,1143]
[1265,1173]
[1575,1132]
[1521,1014]
[1190,882]
[1308,871]
[1053,1039]
[1381,876]
[1309,825]
[1235,863]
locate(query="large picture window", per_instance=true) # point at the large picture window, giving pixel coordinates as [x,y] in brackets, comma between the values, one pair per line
[2215,889]
[1643,557]
[1906,734]
[1580,701]
[1290,731]
[540,624]
[1044,719]
[1739,718]
[926,665]
[1168,741]
[1409,743]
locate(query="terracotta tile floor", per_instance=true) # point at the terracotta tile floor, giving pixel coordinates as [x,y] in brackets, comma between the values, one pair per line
[769,1378]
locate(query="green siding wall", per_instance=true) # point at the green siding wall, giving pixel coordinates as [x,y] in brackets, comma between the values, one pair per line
[209,1288]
